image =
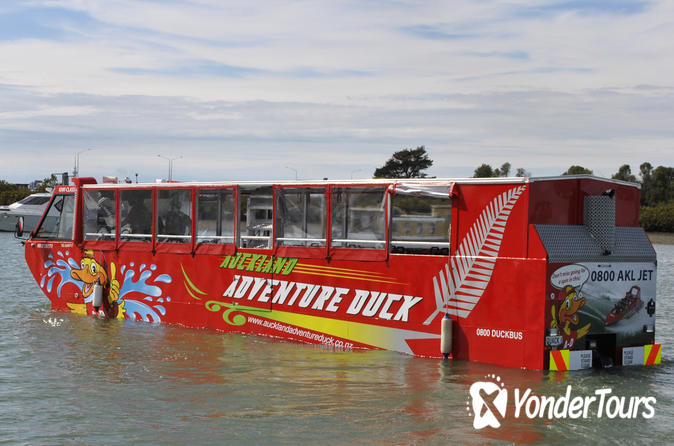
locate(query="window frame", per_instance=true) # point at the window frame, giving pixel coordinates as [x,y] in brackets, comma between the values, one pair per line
[308,252]
[142,245]
[411,230]
[106,245]
[160,245]
[361,254]
[194,246]
[241,191]
[35,235]
[216,248]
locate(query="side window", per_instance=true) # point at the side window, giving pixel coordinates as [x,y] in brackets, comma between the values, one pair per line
[300,217]
[59,220]
[99,214]
[135,217]
[420,225]
[215,216]
[174,216]
[359,217]
[255,217]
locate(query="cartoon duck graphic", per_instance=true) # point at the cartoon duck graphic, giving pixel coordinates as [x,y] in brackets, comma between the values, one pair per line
[565,313]
[92,273]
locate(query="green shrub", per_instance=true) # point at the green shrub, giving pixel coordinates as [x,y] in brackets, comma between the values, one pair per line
[659,218]
[9,193]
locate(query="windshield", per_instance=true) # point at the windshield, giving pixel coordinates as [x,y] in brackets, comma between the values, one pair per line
[35,200]
[58,222]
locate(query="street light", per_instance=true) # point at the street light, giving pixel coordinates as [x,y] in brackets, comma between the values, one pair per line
[76,169]
[354,171]
[170,160]
[294,170]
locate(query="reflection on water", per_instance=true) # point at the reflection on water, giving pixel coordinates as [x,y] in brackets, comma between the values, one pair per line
[69,379]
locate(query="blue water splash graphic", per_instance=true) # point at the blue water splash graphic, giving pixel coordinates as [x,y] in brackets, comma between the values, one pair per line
[143,305]
[142,300]
[61,268]
[164,278]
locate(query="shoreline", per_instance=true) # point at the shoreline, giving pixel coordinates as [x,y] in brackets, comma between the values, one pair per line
[661,238]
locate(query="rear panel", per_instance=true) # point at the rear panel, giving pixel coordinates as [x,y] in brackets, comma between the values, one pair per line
[601,272]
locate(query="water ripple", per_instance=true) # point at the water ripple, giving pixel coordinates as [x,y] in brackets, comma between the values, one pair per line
[68,379]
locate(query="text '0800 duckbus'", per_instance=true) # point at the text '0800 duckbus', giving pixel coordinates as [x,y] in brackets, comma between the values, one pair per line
[539,273]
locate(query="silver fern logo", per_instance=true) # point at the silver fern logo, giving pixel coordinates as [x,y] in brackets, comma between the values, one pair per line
[459,286]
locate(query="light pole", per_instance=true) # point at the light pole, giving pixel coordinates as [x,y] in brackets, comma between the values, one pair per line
[76,169]
[170,160]
[354,171]
[294,170]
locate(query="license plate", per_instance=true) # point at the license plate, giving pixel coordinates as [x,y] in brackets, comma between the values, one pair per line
[553,341]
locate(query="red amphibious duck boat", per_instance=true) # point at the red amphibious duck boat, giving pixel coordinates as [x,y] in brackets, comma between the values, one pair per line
[507,271]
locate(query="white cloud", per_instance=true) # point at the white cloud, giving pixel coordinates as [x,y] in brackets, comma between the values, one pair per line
[331,87]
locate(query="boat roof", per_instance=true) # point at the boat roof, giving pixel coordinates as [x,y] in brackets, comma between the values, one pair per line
[361,182]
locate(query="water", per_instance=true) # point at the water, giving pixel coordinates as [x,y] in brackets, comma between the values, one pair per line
[75,380]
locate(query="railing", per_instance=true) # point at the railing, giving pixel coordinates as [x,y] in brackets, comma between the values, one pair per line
[358,243]
[420,244]
[252,238]
[355,240]
[99,236]
[136,236]
[255,237]
[301,239]
[169,237]
[215,239]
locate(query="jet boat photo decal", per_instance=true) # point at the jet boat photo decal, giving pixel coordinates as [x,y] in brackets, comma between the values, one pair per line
[626,307]
[459,289]
[602,298]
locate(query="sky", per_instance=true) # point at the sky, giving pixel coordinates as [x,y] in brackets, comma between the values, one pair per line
[274,90]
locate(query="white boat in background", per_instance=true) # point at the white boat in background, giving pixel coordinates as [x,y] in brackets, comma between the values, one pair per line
[30,208]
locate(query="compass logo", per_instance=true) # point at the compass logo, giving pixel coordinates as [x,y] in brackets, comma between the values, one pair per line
[489,401]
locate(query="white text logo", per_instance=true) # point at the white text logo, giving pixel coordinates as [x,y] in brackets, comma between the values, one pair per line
[490,398]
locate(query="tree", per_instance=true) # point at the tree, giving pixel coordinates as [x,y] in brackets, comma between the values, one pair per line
[577,170]
[646,174]
[406,163]
[659,218]
[522,173]
[645,170]
[503,171]
[624,173]
[484,171]
[48,184]
[9,193]
[657,198]
[662,185]
[657,185]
